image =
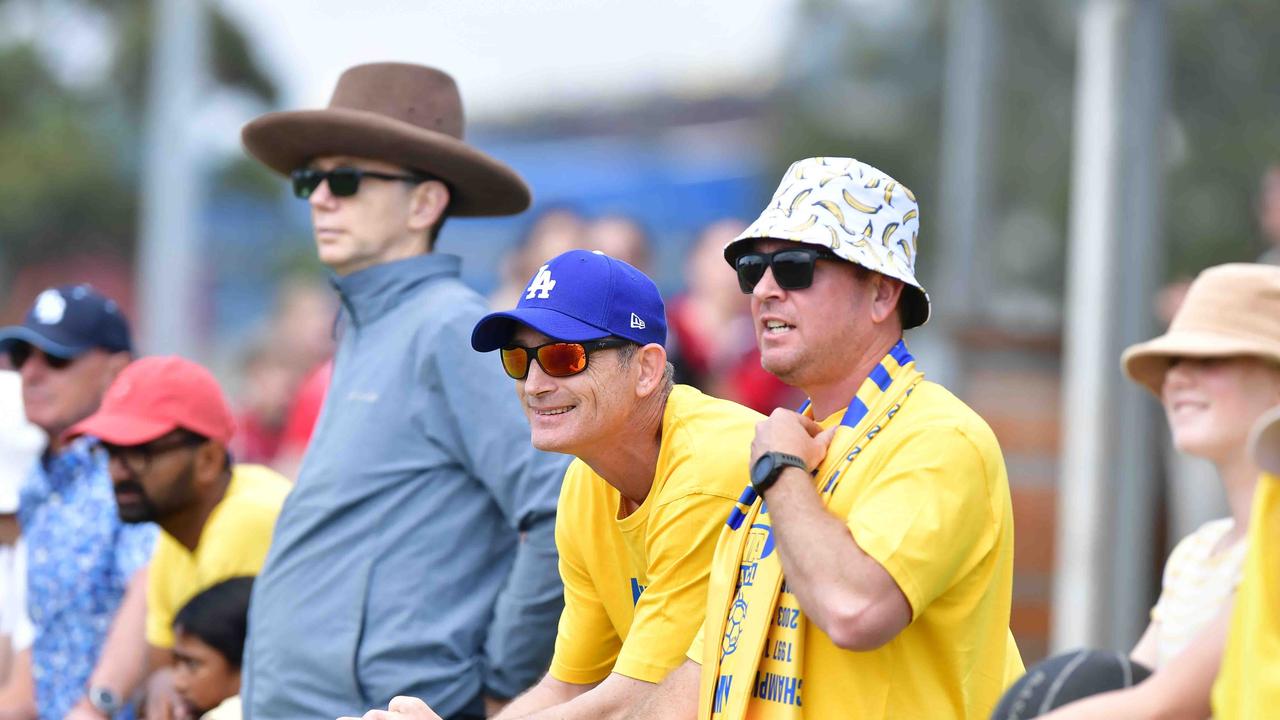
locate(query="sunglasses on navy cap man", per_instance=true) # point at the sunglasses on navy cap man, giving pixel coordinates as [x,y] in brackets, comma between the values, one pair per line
[557,358]
[21,352]
[344,181]
[792,267]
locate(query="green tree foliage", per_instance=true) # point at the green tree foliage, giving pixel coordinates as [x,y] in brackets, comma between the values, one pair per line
[865,78]
[70,155]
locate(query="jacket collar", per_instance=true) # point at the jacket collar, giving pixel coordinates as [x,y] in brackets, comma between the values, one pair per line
[370,293]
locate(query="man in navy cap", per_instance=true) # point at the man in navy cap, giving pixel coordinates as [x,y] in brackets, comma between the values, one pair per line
[86,569]
[659,467]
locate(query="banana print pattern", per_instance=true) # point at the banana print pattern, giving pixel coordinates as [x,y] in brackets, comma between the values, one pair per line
[846,206]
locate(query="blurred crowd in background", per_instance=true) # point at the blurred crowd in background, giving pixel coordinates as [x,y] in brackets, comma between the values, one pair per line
[660,174]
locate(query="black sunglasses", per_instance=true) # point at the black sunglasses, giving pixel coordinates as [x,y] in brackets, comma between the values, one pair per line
[344,181]
[557,359]
[137,458]
[792,267]
[21,352]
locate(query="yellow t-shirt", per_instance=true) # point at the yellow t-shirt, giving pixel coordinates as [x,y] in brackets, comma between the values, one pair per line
[234,542]
[1248,684]
[928,499]
[635,588]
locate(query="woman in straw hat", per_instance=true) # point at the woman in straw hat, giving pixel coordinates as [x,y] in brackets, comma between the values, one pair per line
[1216,372]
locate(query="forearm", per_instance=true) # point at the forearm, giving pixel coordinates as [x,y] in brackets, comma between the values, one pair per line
[123,661]
[18,697]
[610,700]
[549,692]
[676,698]
[839,587]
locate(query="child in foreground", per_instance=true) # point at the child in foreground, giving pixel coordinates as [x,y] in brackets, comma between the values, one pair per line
[208,643]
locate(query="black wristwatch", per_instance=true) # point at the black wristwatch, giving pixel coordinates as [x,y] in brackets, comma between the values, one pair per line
[104,700]
[769,466]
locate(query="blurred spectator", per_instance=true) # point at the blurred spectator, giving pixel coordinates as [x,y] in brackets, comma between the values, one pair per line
[20,444]
[554,231]
[301,420]
[302,323]
[208,644]
[165,426]
[86,570]
[270,377]
[1217,372]
[714,337]
[622,237]
[1269,214]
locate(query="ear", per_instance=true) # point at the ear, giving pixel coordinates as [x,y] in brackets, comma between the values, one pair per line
[427,203]
[209,460]
[651,364]
[884,302]
[114,364]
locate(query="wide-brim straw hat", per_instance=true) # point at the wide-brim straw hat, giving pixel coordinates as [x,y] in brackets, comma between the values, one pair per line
[408,115]
[853,209]
[1230,311]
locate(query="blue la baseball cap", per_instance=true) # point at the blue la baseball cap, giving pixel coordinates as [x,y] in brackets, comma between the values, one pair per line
[581,295]
[68,321]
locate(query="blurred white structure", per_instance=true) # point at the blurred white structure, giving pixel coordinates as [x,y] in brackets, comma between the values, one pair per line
[1107,490]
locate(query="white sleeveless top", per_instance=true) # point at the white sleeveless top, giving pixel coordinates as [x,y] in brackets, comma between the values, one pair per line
[1197,582]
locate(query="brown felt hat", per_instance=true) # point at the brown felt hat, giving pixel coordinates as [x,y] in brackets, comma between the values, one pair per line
[408,115]
[1229,311]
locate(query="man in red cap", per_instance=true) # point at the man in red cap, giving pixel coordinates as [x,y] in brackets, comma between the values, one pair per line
[165,425]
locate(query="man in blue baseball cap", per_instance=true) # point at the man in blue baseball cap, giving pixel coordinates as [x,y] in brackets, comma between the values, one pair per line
[659,467]
[86,570]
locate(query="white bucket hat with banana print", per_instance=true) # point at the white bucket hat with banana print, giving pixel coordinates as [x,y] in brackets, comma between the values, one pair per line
[855,210]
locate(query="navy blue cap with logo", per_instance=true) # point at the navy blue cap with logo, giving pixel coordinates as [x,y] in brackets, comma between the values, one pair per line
[577,296]
[70,320]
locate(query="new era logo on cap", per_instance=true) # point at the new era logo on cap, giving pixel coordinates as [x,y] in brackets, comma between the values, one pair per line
[636,322]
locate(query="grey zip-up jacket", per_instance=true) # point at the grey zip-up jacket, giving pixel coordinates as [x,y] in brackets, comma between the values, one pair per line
[398,566]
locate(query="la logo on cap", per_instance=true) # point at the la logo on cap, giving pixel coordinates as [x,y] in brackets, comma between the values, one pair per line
[542,285]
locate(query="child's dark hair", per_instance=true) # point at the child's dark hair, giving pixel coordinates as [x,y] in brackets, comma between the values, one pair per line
[219,617]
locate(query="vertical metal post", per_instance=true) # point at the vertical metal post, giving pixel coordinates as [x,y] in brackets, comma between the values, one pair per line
[168,248]
[967,132]
[1105,500]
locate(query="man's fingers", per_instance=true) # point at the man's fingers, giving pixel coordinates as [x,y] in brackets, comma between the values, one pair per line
[411,708]
[810,425]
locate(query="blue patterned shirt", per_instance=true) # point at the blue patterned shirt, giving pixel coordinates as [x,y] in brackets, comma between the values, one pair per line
[80,557]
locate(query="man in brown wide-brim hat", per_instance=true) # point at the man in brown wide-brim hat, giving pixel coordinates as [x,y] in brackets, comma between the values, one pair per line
[415,555]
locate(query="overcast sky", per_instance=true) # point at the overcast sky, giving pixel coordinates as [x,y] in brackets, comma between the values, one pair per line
[511,56]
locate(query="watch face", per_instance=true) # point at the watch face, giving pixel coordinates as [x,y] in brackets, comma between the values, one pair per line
[762,469]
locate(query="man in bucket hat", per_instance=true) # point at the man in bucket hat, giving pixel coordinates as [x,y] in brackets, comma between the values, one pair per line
[86,570]
[416,554]
[868,568]
[658,468]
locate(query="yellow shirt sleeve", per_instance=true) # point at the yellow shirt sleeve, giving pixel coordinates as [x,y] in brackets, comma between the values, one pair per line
[586,642]
[927,517]
[682,540]
[160,609]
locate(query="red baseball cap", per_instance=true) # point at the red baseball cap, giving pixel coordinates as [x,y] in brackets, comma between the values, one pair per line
[154,396]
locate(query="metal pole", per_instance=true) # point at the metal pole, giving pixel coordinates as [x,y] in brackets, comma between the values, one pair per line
[967,131]
[167,251]
[1084,538]
[1102,580]
[1137,431]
